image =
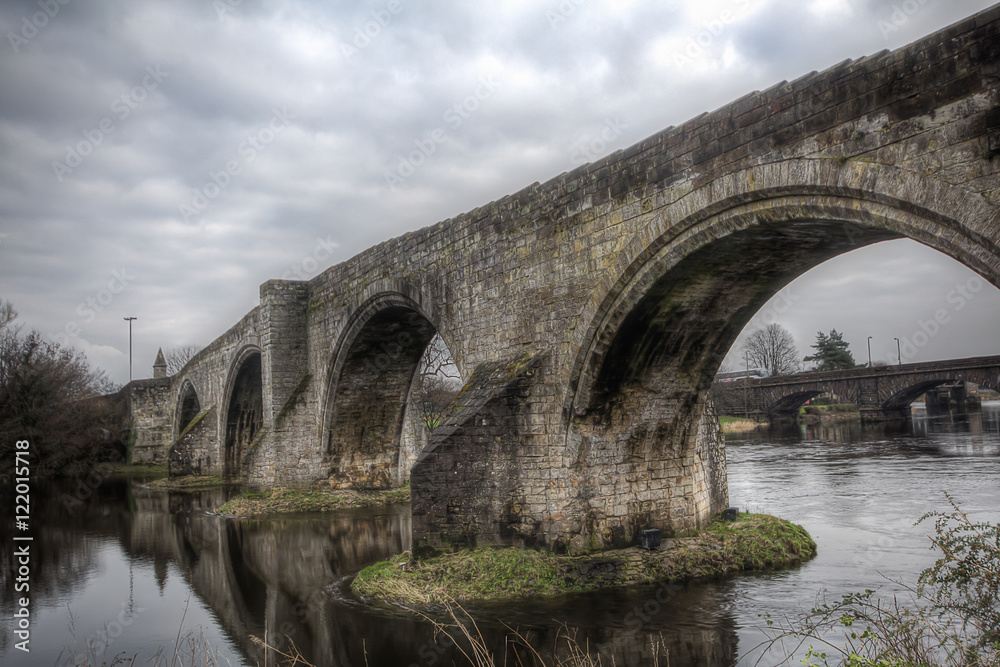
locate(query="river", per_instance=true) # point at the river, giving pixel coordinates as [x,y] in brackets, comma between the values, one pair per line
[130,570]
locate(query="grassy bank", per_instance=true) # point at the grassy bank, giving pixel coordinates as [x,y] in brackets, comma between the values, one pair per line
[284,501]
[811,414]
[738,424]
[190,482]
[754,542]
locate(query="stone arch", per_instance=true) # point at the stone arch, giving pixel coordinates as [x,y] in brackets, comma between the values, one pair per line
[791,403]
[368,383]
[188,406]
[903,397]
[244,407]
[737,228]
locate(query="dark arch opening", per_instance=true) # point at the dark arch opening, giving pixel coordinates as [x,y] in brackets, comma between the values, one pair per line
[245,415]
[789,405]
[369,389]
[188,406]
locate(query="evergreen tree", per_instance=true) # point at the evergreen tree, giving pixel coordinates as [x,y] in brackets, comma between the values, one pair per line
[832,353]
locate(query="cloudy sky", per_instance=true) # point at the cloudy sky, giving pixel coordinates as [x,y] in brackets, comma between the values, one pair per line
[162,159]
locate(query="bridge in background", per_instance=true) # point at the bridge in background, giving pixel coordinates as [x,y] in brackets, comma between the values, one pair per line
[589,314]
[881,392]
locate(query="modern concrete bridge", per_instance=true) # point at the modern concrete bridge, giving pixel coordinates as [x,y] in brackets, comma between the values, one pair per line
[881,392]
[589,314]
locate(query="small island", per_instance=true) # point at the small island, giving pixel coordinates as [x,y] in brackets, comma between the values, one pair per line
[753,542]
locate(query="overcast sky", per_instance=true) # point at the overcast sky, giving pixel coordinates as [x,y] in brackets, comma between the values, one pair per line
[162,159]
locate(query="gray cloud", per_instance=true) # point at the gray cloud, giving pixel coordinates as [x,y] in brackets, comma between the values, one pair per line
[358,85]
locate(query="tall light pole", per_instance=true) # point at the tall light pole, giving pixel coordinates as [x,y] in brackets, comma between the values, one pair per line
[129,320]
[899,355]
[870,351]
[746,381]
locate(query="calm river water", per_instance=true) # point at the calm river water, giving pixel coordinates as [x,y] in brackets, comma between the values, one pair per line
[132,569]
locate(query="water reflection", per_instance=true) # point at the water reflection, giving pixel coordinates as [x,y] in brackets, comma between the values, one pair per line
[856,488]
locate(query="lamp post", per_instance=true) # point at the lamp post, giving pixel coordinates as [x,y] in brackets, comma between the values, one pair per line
[899,355]
[870,351]
[129,320]
[746,381]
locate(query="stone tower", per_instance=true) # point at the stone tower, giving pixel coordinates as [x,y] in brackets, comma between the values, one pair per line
[160,365]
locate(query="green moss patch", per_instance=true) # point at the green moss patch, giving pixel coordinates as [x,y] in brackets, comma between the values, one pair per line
[284,501]
[754,542]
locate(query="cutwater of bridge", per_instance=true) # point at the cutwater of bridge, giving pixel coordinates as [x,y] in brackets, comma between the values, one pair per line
[881,392]
[589,314]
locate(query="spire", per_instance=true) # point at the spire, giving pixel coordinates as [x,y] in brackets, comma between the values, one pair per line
[160,365]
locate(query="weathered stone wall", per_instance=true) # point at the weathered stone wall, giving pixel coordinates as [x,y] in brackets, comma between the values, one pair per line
[151,408]
[633,275]
[468,486]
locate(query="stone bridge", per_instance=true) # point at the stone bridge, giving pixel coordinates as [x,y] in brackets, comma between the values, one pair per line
[588,314]
[881,392]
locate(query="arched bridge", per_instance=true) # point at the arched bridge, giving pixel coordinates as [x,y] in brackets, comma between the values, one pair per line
[881,392]
[588,314]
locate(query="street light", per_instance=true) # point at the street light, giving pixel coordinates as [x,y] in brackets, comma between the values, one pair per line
[899,355]
[746,381]
[870,351]
[129,320]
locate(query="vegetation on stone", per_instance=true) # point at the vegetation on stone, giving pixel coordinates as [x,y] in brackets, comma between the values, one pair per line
[190,482]
[754,542]
[284,501]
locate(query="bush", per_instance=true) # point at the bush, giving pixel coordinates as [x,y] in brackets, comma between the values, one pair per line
[952,619]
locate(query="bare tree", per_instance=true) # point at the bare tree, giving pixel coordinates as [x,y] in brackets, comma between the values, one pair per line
[772,348]
[439,383]
[51,396]
[177,357]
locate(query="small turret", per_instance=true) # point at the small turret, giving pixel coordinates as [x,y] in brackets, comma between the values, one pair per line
[160,365]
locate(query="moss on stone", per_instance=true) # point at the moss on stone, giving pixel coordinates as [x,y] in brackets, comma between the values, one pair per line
[190,482]
[285,501]
[754,542]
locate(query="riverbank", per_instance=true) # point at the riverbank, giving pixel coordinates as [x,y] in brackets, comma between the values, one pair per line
[738,424]
[753,542]
[286,501]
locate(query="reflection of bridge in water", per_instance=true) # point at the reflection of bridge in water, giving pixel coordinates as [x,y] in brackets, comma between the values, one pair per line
[279,578]
[881,392]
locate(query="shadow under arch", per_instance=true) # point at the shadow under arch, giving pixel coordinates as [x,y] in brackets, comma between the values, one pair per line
[187,406]
[368,384]
[244,416]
